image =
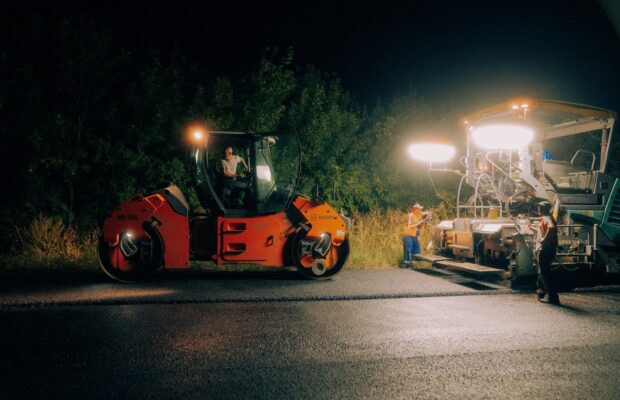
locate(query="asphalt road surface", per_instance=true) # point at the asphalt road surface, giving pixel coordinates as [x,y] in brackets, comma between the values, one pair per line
[364,334]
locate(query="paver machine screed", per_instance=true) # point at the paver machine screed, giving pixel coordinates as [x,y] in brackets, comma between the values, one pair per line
[257,218]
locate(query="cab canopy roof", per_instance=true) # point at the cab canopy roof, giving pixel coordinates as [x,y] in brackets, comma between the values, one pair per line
[549,117]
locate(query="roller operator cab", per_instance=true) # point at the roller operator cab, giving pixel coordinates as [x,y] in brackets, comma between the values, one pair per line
[251,215]
[518,154]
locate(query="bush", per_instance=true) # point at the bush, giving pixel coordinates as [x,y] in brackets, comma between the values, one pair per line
[48,242]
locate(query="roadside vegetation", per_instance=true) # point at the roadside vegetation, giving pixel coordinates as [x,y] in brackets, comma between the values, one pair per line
[376,237]
[49,244]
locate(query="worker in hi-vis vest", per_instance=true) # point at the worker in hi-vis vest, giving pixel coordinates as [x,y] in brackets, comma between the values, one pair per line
[546,248]
[413,226]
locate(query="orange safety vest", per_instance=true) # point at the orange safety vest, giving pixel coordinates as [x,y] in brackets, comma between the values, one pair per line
[549,230]
[410,226]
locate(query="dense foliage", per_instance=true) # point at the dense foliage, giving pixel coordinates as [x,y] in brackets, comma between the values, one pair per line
[86,124]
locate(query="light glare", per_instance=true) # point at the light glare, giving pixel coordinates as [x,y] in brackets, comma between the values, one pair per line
[431,152]
[263,172]
[501,136]
[198,135]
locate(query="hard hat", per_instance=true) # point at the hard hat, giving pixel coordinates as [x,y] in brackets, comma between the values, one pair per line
[544,205]
[418,206]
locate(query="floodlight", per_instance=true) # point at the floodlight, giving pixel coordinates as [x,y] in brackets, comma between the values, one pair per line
[431,151]
[502,136]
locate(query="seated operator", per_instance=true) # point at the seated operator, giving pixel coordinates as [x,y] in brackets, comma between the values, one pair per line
[229,176]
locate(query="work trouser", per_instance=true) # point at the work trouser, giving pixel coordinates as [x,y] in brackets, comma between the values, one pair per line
[235,189]
[545,281]
[411,247]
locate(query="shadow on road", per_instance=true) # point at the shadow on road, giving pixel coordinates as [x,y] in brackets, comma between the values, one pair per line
[288,275]
[42,279]
[572,309]
[37,278]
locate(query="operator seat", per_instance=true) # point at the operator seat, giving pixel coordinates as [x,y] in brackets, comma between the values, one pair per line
[566,179]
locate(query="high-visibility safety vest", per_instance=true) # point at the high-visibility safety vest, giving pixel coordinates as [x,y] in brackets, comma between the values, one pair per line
[549,231]
[412,220]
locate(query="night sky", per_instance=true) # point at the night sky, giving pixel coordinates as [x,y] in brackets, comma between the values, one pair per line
[463,54]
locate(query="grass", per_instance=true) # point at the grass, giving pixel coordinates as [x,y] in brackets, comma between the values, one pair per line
[48,244]
[376,238]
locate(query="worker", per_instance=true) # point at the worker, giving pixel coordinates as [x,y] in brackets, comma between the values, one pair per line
[413,226]
[230,184]
[546,246]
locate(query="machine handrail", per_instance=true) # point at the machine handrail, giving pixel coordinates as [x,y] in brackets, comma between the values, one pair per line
[584,151]
[458,196]
[479,206]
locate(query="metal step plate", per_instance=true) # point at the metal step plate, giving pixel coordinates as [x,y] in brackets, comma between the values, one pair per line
[469,267]
[430,257]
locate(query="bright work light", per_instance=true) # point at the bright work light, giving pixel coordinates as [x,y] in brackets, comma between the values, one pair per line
[431,151]
[198,135]
[502,136]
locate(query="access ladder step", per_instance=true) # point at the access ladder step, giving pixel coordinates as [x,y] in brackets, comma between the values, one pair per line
[469,267]
[430,257]
[459,247]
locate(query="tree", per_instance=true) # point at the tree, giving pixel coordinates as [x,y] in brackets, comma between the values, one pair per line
[328,122]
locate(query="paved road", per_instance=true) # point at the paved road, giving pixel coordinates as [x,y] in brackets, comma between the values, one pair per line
[447,343]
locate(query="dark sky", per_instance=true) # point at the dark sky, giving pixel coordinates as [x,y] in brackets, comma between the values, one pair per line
[463,53]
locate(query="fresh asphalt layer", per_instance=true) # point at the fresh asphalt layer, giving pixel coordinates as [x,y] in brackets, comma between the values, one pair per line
[219,287]
[453,347]
[375,334]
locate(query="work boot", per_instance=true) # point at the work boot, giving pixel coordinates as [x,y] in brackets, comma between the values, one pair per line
[540,293]
[555,300]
